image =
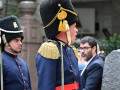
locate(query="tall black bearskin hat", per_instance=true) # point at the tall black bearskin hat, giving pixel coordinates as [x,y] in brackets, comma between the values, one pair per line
[10,28]
[49,10]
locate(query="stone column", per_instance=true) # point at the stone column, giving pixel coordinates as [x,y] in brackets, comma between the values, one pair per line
[32,38]
[111,72]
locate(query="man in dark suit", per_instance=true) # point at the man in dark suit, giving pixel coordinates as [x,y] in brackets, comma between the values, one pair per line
[91,75]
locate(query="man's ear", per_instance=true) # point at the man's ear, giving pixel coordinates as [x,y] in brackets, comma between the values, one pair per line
[95,49]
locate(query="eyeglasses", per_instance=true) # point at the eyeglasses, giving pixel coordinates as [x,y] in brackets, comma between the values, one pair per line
[84,48]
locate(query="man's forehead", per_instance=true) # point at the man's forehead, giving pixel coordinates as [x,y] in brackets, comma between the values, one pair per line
[18,38]
[84,44]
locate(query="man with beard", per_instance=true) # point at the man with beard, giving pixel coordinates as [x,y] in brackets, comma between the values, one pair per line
[15,70]
[91,75]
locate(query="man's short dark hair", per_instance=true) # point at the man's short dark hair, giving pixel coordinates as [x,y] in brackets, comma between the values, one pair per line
[90,40]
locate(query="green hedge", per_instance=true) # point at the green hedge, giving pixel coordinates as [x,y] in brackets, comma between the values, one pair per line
[113,43]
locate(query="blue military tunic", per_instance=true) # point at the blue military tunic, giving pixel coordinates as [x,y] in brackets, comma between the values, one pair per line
[49,70]
[15,73]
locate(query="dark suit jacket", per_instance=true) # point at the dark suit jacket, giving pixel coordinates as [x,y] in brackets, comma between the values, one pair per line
[102,55]
[92,76]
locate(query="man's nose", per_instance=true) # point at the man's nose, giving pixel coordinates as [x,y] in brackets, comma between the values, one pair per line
[82,50]
[20,42]
[76,30]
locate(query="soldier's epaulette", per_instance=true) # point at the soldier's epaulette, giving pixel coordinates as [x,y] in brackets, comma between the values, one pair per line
[75,51]
[49,50]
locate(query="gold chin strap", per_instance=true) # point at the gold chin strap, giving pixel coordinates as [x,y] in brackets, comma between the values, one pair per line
[61,15]
[68,32]
[5,41]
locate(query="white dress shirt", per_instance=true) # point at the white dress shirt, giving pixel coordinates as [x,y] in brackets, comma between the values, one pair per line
[87,64]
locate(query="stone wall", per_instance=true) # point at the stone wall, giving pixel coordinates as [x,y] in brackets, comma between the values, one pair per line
[32,38]
[111,72]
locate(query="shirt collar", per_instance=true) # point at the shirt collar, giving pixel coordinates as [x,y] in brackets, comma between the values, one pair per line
[10,54]
[63,43]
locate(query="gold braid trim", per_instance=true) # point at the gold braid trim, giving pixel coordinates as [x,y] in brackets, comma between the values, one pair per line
[5,41]
[75,51]
[61,8]
[52,20]
[68,11]
[49,50]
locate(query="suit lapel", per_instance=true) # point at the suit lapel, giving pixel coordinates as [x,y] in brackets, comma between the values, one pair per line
[94,58]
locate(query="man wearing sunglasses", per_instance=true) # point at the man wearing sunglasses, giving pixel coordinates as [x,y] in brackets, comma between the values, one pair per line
[91,75]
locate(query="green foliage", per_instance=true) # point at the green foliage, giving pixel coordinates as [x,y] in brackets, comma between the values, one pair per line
[112,44]
[13,9]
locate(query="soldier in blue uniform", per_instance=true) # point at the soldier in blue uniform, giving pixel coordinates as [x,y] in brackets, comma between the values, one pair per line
[15,70]
[57,59]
